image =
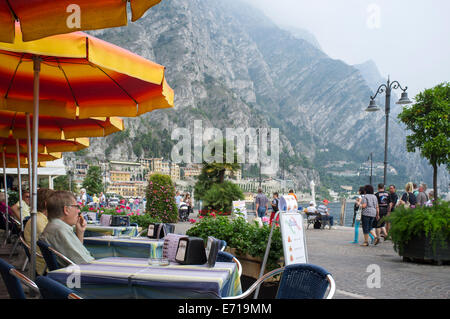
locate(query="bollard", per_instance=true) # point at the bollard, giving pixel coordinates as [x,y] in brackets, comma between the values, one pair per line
[343,203]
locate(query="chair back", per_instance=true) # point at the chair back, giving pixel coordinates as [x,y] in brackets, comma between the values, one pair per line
[51,289]
[49,256]
[303,281]
[25,246]
[223,256]
[12,284]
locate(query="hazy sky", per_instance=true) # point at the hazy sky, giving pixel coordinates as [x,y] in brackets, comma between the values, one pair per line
[407,39]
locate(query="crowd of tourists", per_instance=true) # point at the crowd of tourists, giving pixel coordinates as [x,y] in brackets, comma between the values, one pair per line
[371,207]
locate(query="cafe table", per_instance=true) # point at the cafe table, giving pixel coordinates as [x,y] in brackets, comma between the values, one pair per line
[129,278]
[124,246]
[93,230]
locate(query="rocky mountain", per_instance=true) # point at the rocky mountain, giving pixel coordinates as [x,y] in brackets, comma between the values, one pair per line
[232,67]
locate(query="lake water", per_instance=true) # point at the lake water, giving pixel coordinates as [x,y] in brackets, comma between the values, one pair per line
[335,211]
[334,208]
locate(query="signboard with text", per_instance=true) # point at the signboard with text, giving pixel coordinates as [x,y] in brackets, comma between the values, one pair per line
[293,238]
[240,209]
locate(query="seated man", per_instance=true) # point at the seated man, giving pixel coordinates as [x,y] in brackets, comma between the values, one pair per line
[63,213]
[323,211]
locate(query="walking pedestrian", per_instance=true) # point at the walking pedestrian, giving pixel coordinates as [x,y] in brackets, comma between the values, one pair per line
[274,207]
[357,211]
[408,199]
[369,204]
[383,202]
[262,204]
[422,197]
[392,202]
[188,201]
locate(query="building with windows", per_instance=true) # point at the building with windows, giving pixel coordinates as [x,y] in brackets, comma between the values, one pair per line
[119,176]
[128,189]
[192,170]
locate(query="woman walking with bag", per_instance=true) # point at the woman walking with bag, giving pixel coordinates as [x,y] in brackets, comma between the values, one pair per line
[370,213]
[357,216]
[408,198]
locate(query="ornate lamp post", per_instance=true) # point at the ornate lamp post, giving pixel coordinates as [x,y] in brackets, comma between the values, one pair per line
[387,88]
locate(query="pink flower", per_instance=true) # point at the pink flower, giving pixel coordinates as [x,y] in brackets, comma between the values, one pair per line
[213,215]
[192,221]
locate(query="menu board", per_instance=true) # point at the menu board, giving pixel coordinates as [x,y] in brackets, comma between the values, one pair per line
[240,208]
[293,237]
[288,204]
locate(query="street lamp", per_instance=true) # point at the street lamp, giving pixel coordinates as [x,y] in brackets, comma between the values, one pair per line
[387,88]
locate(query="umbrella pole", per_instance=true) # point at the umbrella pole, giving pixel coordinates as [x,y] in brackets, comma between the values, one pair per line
[6,199]
[36,68]
[19,179]
[30,179]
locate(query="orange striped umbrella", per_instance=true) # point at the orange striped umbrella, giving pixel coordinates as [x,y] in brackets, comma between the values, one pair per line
[76,76]
[12,162]
[55,128]
[46,146]
[80,76]
[43,18]
[42,157]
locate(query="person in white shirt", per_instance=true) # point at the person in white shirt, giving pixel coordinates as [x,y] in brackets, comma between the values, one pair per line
[311,208]
[83,196]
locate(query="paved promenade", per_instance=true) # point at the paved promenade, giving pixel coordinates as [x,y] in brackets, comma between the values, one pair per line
[349,265]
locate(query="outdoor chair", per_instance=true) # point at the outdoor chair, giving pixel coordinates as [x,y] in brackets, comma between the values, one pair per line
[223,256]
[298,281]
[223,245]
[13,279]
[27,249]
[51,289]
[15,231]
[311,218]
[50,256]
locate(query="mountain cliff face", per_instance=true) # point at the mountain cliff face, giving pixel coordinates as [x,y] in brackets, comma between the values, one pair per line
[232,67]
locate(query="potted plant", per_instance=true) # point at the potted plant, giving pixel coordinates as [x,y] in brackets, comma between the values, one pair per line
[422,233]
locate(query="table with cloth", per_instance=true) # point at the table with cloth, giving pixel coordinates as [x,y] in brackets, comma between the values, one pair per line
[125,278]
[94,230]
[136,247]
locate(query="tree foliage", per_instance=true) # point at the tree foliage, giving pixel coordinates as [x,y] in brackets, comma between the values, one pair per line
[160,196]
[428,121]
[93,181]
[211,186]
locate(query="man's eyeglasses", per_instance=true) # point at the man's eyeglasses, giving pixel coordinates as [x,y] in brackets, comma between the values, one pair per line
[75,205]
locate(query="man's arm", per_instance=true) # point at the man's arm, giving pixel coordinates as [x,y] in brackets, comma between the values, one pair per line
[80,228]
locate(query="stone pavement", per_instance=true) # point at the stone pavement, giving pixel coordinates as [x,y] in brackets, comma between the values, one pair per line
[348,263]
[353,266]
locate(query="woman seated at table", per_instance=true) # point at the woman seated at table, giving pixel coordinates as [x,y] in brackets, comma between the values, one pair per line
[41,223]
[64,213]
